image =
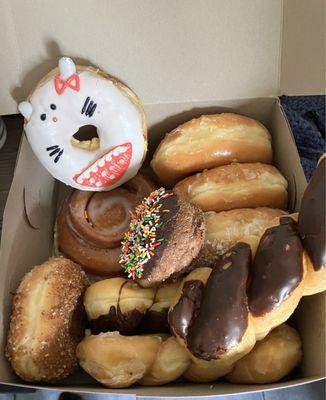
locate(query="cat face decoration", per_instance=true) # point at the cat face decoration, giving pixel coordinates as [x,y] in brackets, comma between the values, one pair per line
[71,97]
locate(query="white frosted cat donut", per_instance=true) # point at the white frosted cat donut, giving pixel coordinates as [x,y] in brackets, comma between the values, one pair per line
[70,97]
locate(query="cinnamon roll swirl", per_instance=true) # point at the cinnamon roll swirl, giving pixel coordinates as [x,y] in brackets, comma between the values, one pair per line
[91,225]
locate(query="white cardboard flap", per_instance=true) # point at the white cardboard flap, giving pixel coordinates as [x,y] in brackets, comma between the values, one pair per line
[167,51]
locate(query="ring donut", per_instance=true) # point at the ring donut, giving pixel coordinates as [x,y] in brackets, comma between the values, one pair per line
[71,97]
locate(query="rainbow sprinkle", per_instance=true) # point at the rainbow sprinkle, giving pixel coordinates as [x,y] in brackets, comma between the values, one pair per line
[140,241]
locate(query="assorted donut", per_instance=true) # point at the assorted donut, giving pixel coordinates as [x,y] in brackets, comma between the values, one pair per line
[192,280]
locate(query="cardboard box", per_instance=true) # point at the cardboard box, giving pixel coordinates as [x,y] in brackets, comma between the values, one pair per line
[183,59]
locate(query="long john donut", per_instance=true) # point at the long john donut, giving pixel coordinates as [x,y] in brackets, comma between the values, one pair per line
[90,225]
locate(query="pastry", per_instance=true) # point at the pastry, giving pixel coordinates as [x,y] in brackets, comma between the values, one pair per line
[271,359]
[47,321]
[116,304]
[278,275]
[312,230]
[210,315]
[71,97]
[165,235]
[235,186]
[226,228]
[90,226]
[208,142]
[120,361]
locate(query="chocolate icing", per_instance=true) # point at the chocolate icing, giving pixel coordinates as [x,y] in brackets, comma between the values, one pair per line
[181,315]
[169,211]
[115,320]
[223,316]
[312,218]
[277,268]
[155,322]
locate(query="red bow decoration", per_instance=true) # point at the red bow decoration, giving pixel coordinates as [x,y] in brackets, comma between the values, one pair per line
[61,85]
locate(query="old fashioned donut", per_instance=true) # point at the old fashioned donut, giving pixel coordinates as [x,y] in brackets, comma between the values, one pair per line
[226,228]
[90,226]
[71,97]
[210,315]
[118,304]
[235,186]
[47,321]
[119,361]
[165,235]
[271,359]
[312,229]
[208,142]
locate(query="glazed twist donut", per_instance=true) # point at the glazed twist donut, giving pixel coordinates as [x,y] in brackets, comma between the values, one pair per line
[235,186]
[271,359]
[208,142]
[120,361]
[90,226]
[118,304]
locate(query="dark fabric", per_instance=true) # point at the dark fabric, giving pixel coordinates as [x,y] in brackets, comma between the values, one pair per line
[306,115]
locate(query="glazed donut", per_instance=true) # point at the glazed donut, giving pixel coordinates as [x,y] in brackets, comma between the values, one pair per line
[210,315]
[235,186]
[312,230]
[208,142]
[90,226]
[165,235]
[120,361]
[226,228]
[278,277]
[71,97]
[271,359]
[47,321]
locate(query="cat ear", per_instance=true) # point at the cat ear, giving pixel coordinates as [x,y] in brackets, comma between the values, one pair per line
[26,109]
[67,68]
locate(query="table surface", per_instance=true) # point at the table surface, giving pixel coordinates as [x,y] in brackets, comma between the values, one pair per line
[8,154]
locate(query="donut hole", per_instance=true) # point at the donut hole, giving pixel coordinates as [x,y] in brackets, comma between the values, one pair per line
[86,138]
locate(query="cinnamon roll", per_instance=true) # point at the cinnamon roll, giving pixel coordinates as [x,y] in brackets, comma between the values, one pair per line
[90,225]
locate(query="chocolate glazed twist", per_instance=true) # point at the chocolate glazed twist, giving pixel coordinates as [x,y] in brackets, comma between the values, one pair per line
[91,225]
[212,314]
[117,304]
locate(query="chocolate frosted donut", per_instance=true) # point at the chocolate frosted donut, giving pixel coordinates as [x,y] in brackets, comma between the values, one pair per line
[165,235]
[90,225]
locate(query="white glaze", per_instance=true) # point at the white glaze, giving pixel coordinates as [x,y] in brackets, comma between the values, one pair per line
[117,119]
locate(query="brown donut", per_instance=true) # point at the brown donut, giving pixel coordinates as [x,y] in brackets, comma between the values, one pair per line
[47,321]
[165,235]
[91,225]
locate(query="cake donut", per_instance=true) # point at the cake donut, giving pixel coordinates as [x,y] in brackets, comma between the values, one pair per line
[118,361]
[210,315]
[71,97]
[312,230]
[271,359]
[208,142]
[47,321]
[226,228]
[165,235]
[90,226]
[118,304]
[235,186]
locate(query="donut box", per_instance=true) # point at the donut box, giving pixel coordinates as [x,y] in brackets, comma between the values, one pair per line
[173,92]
